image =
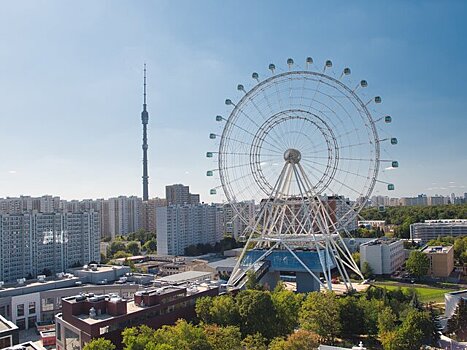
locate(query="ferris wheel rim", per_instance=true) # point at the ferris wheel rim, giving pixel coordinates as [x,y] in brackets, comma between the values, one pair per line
[249,95]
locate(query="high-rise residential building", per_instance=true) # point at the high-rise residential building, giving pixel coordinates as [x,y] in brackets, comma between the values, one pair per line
[179,226]
[121,215]
[17,205]
[234,223]
[150,214]
[179,194]
[432,229]
[34,243]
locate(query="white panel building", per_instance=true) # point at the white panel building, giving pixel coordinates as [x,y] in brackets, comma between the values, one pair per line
[179,226]
[384,256]
[33,243]
[432,229]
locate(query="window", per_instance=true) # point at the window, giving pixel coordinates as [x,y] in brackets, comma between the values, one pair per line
[32,307]
[47,304]
[19,310]
[5,342]
[21,323]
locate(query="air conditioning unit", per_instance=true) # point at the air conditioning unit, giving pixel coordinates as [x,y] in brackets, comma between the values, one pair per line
[21,280]
[1,284]
[41,278]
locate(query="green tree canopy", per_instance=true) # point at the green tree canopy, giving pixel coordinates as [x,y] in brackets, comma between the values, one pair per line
[320,314]
[99,344]
[417,264]
[223,338]
[257,313]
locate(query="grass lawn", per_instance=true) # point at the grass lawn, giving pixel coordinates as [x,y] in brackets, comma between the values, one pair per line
[427,294]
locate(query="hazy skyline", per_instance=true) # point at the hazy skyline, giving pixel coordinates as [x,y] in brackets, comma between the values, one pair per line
[71,86]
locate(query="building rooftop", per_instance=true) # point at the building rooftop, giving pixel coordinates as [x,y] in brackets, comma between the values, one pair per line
[444,221]
[25,346]
[186,276]
[382,241]
[437,249]
[6,325]
[109,306]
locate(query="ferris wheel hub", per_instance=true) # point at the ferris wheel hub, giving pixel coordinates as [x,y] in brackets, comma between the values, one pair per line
[292,156]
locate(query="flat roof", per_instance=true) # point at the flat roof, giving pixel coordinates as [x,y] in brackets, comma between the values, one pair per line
[437,249]
[6,325]
[184,276]
[227,262]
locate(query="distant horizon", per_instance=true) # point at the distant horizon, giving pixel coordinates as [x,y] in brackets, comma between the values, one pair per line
[460,195]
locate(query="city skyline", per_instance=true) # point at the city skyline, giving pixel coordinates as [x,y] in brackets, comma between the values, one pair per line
[77,90]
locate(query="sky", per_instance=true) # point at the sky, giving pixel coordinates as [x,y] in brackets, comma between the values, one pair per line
[71,85]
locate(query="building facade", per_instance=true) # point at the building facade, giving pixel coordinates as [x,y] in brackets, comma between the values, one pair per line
[432,229]
[33,243]
[179,194]
[149,213]
[179,226]
[90,316]
[385,256]
[441,260]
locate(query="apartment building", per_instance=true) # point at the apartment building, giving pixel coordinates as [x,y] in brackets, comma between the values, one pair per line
[441,260]
[179,226]
[384,256]
[432,229]
[33,243]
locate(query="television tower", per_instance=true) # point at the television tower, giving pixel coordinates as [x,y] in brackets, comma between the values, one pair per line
[144,120]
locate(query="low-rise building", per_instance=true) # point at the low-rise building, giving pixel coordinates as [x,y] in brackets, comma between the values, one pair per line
[441,260]
[451,300]
[385,256]
[9,333]
[90,316]
[432,229]
[36,301]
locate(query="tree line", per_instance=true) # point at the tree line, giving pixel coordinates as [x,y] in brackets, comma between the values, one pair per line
[404,216]
[256,319]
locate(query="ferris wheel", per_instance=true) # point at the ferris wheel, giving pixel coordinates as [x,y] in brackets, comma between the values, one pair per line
[296,139]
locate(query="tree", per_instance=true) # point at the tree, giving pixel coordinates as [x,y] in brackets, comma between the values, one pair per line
[133,248]
[223,338]
[299,340]
[203,309]
[224,311]
[257,313]
[457,324]
[99,344]
[121,254]
[150,246]
[415,331]
[320,314]
[251,282]
[417,264]
[386,321]
[356,258]
[287,305]
[352,317]
[115,246]
[367,271]
[254,342]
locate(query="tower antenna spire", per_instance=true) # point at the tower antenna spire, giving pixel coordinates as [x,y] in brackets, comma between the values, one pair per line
[144,120]
[144,88]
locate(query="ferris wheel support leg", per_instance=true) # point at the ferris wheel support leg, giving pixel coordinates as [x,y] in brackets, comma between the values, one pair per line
[324,266]
[304,265]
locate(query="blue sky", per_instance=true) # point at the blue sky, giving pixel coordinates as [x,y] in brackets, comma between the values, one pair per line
[71,94]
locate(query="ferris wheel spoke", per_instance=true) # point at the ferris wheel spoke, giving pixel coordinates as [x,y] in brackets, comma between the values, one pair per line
[248,144]
[251,134]
[340,169]
[334,179]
